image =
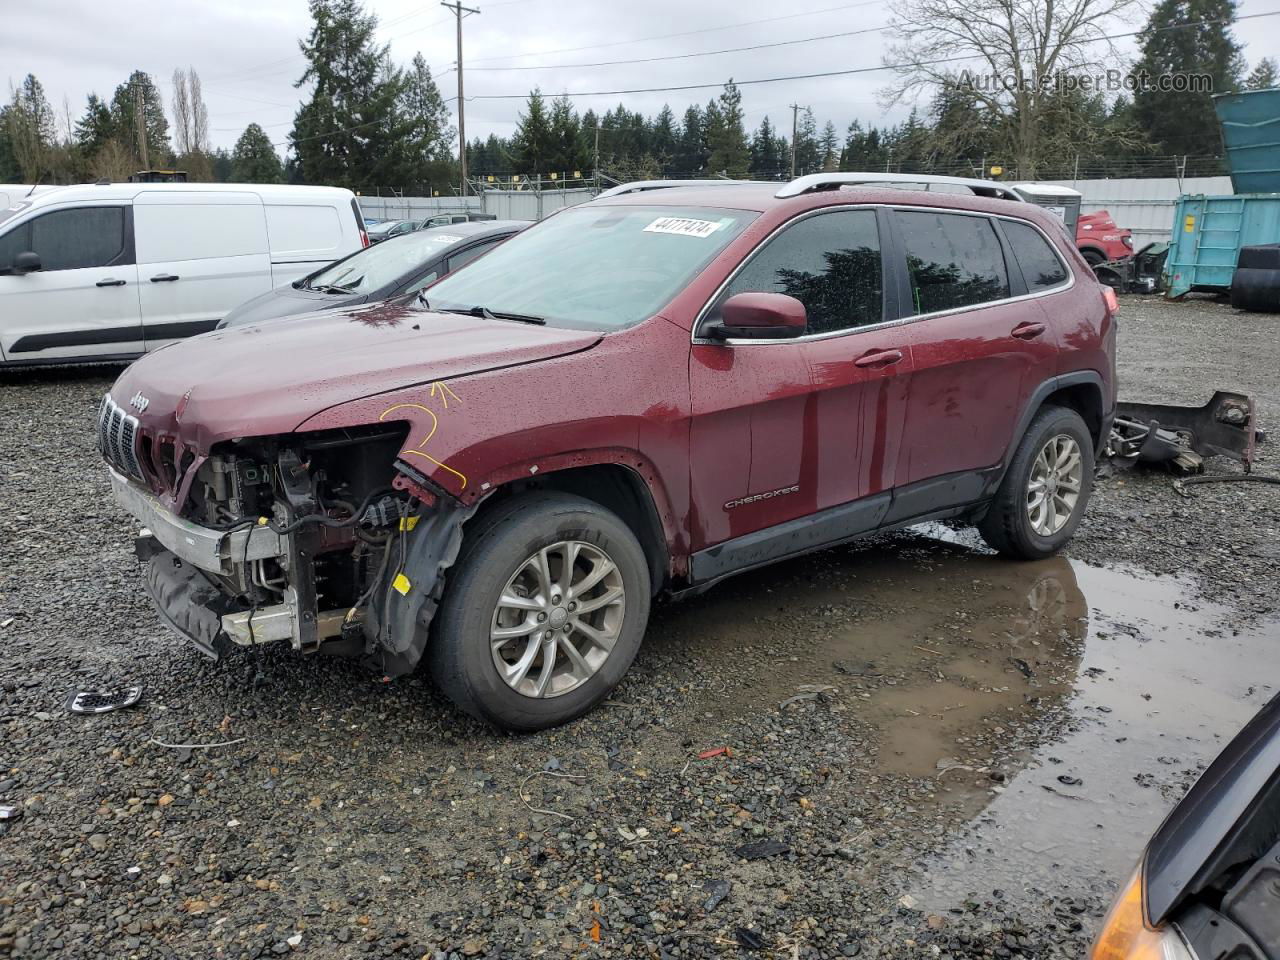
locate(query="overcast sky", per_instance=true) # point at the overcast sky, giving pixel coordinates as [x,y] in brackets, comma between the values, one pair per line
[246,53]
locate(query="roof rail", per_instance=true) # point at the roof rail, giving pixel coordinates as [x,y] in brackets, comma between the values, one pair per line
[833,181]
[640,186]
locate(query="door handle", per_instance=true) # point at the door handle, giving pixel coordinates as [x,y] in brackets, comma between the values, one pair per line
[878,358]
[1027,331]
[109,283]
[164,278]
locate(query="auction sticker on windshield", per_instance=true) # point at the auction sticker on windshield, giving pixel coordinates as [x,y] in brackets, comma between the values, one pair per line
[445,238]
[684,227]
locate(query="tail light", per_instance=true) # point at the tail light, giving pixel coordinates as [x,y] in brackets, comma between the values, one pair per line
[1125,934]
[1111,300]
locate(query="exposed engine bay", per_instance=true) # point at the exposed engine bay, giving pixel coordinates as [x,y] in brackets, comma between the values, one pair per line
[323,539]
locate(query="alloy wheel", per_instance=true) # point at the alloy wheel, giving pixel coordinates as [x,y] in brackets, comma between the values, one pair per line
[1053,489]
[557,619]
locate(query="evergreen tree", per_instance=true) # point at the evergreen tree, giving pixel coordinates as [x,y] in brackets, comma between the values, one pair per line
[30,130]
[808,158]
[767,161]
[726,139]
[565,137]
[829,147]
[531,147]
[1263,76]
[254,159]
[222,165]
[131,125]
[662,142]
[690,158]
[1185,123]
[95,128]
[351,131]
[428,146]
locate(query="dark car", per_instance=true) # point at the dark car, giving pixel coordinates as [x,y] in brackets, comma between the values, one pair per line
[386,229]
[396,268]
[638,395]
[1208,884]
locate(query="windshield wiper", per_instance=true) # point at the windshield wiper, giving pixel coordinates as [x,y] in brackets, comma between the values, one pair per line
[332,288]
[485,313]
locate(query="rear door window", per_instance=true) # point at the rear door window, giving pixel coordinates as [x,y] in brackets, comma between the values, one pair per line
[463,257]
[72,239]
[953,260]
[1042,269]
[830,263]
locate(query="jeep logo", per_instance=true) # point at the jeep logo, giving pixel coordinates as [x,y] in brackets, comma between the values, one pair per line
[139,402]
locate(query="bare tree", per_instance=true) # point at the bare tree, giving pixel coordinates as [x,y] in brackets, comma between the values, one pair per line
[181,113]
[199,113]
[1007,54]
[190,114]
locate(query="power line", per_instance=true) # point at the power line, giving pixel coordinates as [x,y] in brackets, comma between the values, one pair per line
[859,70]
[683,33]
[686,56]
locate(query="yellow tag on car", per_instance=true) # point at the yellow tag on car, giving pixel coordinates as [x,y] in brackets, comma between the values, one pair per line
[408,523]
[401,584]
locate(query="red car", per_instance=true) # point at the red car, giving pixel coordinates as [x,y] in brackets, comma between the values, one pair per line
[635,397]
[1100,240]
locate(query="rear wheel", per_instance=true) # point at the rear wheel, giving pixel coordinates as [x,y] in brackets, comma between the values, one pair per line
[1046,488]
[543,614]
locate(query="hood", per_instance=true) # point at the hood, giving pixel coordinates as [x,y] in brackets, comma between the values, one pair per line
[1228,817]
[285,302]
[263,380]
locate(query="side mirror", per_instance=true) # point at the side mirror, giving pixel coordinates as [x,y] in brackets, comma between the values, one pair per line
[760,316]
[27,262]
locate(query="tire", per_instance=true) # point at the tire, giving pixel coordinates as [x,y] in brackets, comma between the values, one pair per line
[1093,257]
[1013,525]
[500,558]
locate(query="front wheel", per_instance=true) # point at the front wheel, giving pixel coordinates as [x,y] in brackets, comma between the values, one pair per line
[1046,488]
[543,613]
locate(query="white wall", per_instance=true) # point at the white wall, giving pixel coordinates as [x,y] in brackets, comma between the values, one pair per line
[1145,205]
[504,204]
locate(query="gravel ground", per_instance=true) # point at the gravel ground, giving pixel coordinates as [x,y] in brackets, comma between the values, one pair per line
[349,818]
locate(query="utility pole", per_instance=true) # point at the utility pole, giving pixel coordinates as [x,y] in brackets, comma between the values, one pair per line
[459,11]
[795,119]
[140,118]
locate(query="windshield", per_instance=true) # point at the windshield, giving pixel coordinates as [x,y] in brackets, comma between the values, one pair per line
[594,267]
[375,267]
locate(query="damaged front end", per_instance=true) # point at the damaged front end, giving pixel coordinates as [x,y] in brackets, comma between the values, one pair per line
[325,540]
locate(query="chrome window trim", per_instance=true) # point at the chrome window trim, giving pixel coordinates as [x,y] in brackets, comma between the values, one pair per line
[886,324]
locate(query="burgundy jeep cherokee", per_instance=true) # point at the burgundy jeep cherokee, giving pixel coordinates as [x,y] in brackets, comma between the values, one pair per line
[640,395]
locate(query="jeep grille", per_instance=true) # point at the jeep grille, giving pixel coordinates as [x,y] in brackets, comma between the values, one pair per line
[118,439]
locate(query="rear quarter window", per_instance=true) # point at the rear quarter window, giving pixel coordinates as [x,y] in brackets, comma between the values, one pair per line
[304,232]
[1041,267]
[953,260]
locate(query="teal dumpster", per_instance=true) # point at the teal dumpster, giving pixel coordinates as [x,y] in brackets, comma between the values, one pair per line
[1250,124]
[1208,233]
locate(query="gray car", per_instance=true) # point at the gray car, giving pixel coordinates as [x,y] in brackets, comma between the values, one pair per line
[394,268]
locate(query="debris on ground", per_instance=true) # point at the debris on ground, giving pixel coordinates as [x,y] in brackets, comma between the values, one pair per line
[102,701]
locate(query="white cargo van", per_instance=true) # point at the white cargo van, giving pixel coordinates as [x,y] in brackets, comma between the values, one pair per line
[110,271]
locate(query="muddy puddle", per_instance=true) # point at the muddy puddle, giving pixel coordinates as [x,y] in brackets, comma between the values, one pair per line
[1058,709]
